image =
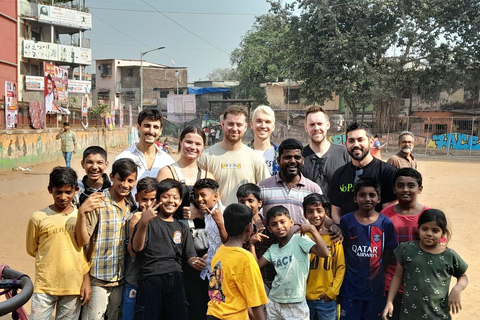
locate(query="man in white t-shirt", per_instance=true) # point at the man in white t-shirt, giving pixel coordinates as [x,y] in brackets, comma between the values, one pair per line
[230,161]
[146,154]
[263,124]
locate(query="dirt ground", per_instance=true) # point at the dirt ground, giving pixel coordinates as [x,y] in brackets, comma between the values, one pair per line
[450,184]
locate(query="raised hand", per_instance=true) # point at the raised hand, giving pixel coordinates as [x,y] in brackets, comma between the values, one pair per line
[304,228]
[94,201]
[150,212]
[258,236]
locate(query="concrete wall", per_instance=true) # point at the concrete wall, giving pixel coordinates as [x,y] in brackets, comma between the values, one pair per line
[29,147]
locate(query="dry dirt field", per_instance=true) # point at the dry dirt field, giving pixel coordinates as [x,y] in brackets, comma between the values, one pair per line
[451,184]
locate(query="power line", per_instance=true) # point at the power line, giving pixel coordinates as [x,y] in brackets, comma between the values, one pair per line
[178,12]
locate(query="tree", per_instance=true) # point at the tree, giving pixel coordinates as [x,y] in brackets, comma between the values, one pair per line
[222,74]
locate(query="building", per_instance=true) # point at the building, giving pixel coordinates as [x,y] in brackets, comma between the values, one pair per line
[117,81]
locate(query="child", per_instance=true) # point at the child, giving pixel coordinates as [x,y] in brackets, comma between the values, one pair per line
[60,264]
[101,224]
[145,197]
[290,259]
[236,283]
[161,243]
[404,216]
[428,267]
[326,274]
[94,163]
[208,202]
[368,239]
[249,194]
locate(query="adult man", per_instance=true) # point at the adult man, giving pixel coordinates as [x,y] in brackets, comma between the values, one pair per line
[404,158]
[49,94]
[322,158]
[230,161]
[263,124]
[363,165]
[68,143]
[146,154]
[288,187]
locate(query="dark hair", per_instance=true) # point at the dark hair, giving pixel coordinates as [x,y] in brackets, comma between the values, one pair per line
[150,114]
[249,188]
[124,167]
[62,176]
[289,144]
[315,109]
[235,109]
[439,217]
[95,150]
[236,218]
[66,123]
[359,126]
[147,184]
[206,183]
[275,212]
[314,199]
[192,129]
[49,77]
[168,184]
[367,182]
[409,172]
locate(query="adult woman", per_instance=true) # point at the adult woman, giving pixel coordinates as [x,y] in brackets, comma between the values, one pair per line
[191,144]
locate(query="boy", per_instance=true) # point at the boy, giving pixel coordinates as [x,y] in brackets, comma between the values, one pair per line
[209,204]
[94,163]
[145,197]
[404,216]
[326,274]
[236,283]
[60,264]
[161,243]
[368,237]
[249,194]
[290,259]
[101,224]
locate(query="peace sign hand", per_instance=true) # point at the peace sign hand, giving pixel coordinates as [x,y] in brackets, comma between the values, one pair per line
[150,212]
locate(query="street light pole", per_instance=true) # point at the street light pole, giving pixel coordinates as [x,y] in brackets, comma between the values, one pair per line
[140,108]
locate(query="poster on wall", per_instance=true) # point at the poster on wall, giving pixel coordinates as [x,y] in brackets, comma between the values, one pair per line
[120,116]
[56,84]
[109,121]
[130,116]
[36,111]
[84,106]
[11,110]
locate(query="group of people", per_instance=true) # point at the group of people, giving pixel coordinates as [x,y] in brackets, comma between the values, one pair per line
[236,231]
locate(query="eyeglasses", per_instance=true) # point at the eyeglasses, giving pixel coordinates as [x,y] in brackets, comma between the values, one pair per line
[358,173]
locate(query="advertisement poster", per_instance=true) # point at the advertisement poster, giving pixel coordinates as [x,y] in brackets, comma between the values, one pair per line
[109,121]
[36,111]
[120,122]
[11,110]
[130,116]
[64,17]
[84,106]
[56,84]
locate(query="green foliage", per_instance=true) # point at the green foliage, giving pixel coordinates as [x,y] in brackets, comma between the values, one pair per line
[100,109]
[223,74]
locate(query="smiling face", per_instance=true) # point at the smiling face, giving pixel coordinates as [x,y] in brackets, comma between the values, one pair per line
[145,198]
[367,198]
[407,189]
[430,234]
[191,146]
[280,226]
[358,144]
[62,197]
[251,202]
[262,125]
[94,165]
[317,126]
[170,200]
[234,127]
[150,131]
[121,187]
[206,198]
[316,214]
[291,163]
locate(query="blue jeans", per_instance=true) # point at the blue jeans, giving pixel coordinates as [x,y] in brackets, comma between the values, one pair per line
[322,310]
[129,299]
[68,158]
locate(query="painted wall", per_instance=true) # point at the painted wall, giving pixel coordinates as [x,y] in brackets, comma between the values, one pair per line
[454,141]
[28,147]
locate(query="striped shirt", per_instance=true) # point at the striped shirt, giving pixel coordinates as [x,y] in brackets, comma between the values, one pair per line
[275,191]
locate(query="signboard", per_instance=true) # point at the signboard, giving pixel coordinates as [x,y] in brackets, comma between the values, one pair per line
[56,52]
[85,106]
[56,83]
[11,110]
[33,83]
[64,17]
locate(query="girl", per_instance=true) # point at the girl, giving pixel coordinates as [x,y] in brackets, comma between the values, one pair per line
[428,268]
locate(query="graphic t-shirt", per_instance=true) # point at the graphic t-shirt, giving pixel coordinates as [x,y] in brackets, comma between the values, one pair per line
[427,281]
[364,246]
[291,264]
[235,285]
[341,188]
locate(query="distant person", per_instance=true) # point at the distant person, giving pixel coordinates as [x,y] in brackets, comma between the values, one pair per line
[404,158]
[263,124]
[322,158]
[68,142]
[376,147]
[230,161]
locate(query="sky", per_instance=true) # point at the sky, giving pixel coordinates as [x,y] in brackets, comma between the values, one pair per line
[197,34]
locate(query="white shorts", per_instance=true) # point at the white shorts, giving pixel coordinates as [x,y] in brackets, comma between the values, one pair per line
[287,311]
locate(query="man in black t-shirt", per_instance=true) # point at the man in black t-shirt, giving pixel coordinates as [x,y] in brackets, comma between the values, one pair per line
[362,165]
[322,157]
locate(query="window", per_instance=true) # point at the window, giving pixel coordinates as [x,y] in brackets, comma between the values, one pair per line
[164,94]
[106,69]
[292,96]
[104,95]
[130,72]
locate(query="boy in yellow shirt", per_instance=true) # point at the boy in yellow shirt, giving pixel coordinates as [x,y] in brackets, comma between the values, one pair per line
[61,269]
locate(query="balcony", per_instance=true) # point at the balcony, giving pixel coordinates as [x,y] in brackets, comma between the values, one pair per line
[57,52]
